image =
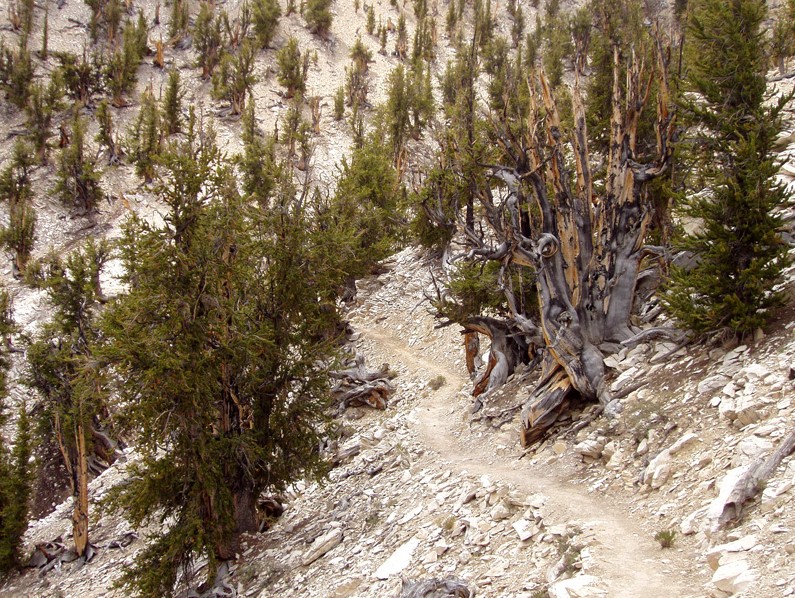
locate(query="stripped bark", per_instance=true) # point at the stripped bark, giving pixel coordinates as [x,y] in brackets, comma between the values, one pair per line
[753,480]
[359,386]
[585,249]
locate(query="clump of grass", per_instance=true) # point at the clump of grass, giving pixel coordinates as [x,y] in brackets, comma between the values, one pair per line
[665,537]
[437,383]
[446,523]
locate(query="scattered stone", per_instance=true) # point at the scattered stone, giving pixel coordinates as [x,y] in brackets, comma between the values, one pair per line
[734,577]
[715,555]
[591,448]
[658,470]
[711,384]
[580,586]
[524,529]
[321,545]
[685,441]
[398,561]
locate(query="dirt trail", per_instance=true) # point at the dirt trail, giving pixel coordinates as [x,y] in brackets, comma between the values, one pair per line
[629,562]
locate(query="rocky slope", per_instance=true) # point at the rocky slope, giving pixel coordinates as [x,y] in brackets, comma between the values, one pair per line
[427,490]
[437,486]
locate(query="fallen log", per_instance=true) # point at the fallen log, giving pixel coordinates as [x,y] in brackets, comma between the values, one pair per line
[359,386]
[435,588]
[747,483]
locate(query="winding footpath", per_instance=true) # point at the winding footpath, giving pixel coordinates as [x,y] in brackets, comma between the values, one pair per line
[628,560]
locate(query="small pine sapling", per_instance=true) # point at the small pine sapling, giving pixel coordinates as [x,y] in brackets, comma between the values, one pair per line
[370,19]
[171,105]
[265,17]
[44,102]
[144,137]
[16,189]
[339,103]
[293,68]
[235,77]
[317,14]
[77,179]
[106,136]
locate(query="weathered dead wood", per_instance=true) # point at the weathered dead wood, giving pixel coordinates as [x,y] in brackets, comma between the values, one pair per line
[751,482]
[507,351]
[359,386]
[472,348]
[361,373]
[551,397]
[346,453]
[672,334]
[372,394]
[435,588]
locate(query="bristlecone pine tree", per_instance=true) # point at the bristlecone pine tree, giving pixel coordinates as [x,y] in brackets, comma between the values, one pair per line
[14,463]
[62,368]
[77,181]
[582,241]
[740,255]
[16,189]
[219,347]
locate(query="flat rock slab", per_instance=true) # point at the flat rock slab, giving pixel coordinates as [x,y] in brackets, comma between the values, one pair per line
[399,560]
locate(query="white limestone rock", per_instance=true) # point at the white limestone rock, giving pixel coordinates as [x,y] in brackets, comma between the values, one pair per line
[734,577]
[713,383]
[399,560]
[524,529]
[659,470]
[321,545]
[685,441]
[715,555]
[591,447]
[580,586]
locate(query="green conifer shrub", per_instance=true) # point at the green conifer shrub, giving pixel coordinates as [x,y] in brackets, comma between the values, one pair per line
[16,189]
[77,178]
[106,136]
[233,352]
[265,14]
[145,136]
[260,172]
[16,72]
[740,256]
[62,368]
[82,76]
[235,76]
[43,104]
[317,14]
[293,68]
[171,105]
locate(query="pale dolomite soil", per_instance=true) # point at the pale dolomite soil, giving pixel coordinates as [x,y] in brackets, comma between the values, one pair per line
[435,491]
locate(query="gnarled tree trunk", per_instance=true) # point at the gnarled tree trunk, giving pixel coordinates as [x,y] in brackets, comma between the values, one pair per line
[585,249]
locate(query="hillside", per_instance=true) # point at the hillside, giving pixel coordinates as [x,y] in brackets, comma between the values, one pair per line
[435,492]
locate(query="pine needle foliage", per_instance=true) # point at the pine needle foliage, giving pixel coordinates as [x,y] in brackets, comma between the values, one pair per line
[44,101]
[62,368]
[16,189]
[317,14]
[77,179]
[369,203]
[15,468]
[740,254]
[259,170]
[171,104]
[265,15]
[293,68]
[144,138]
[235,77]
[16,72]
[15,487]
[218,348]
